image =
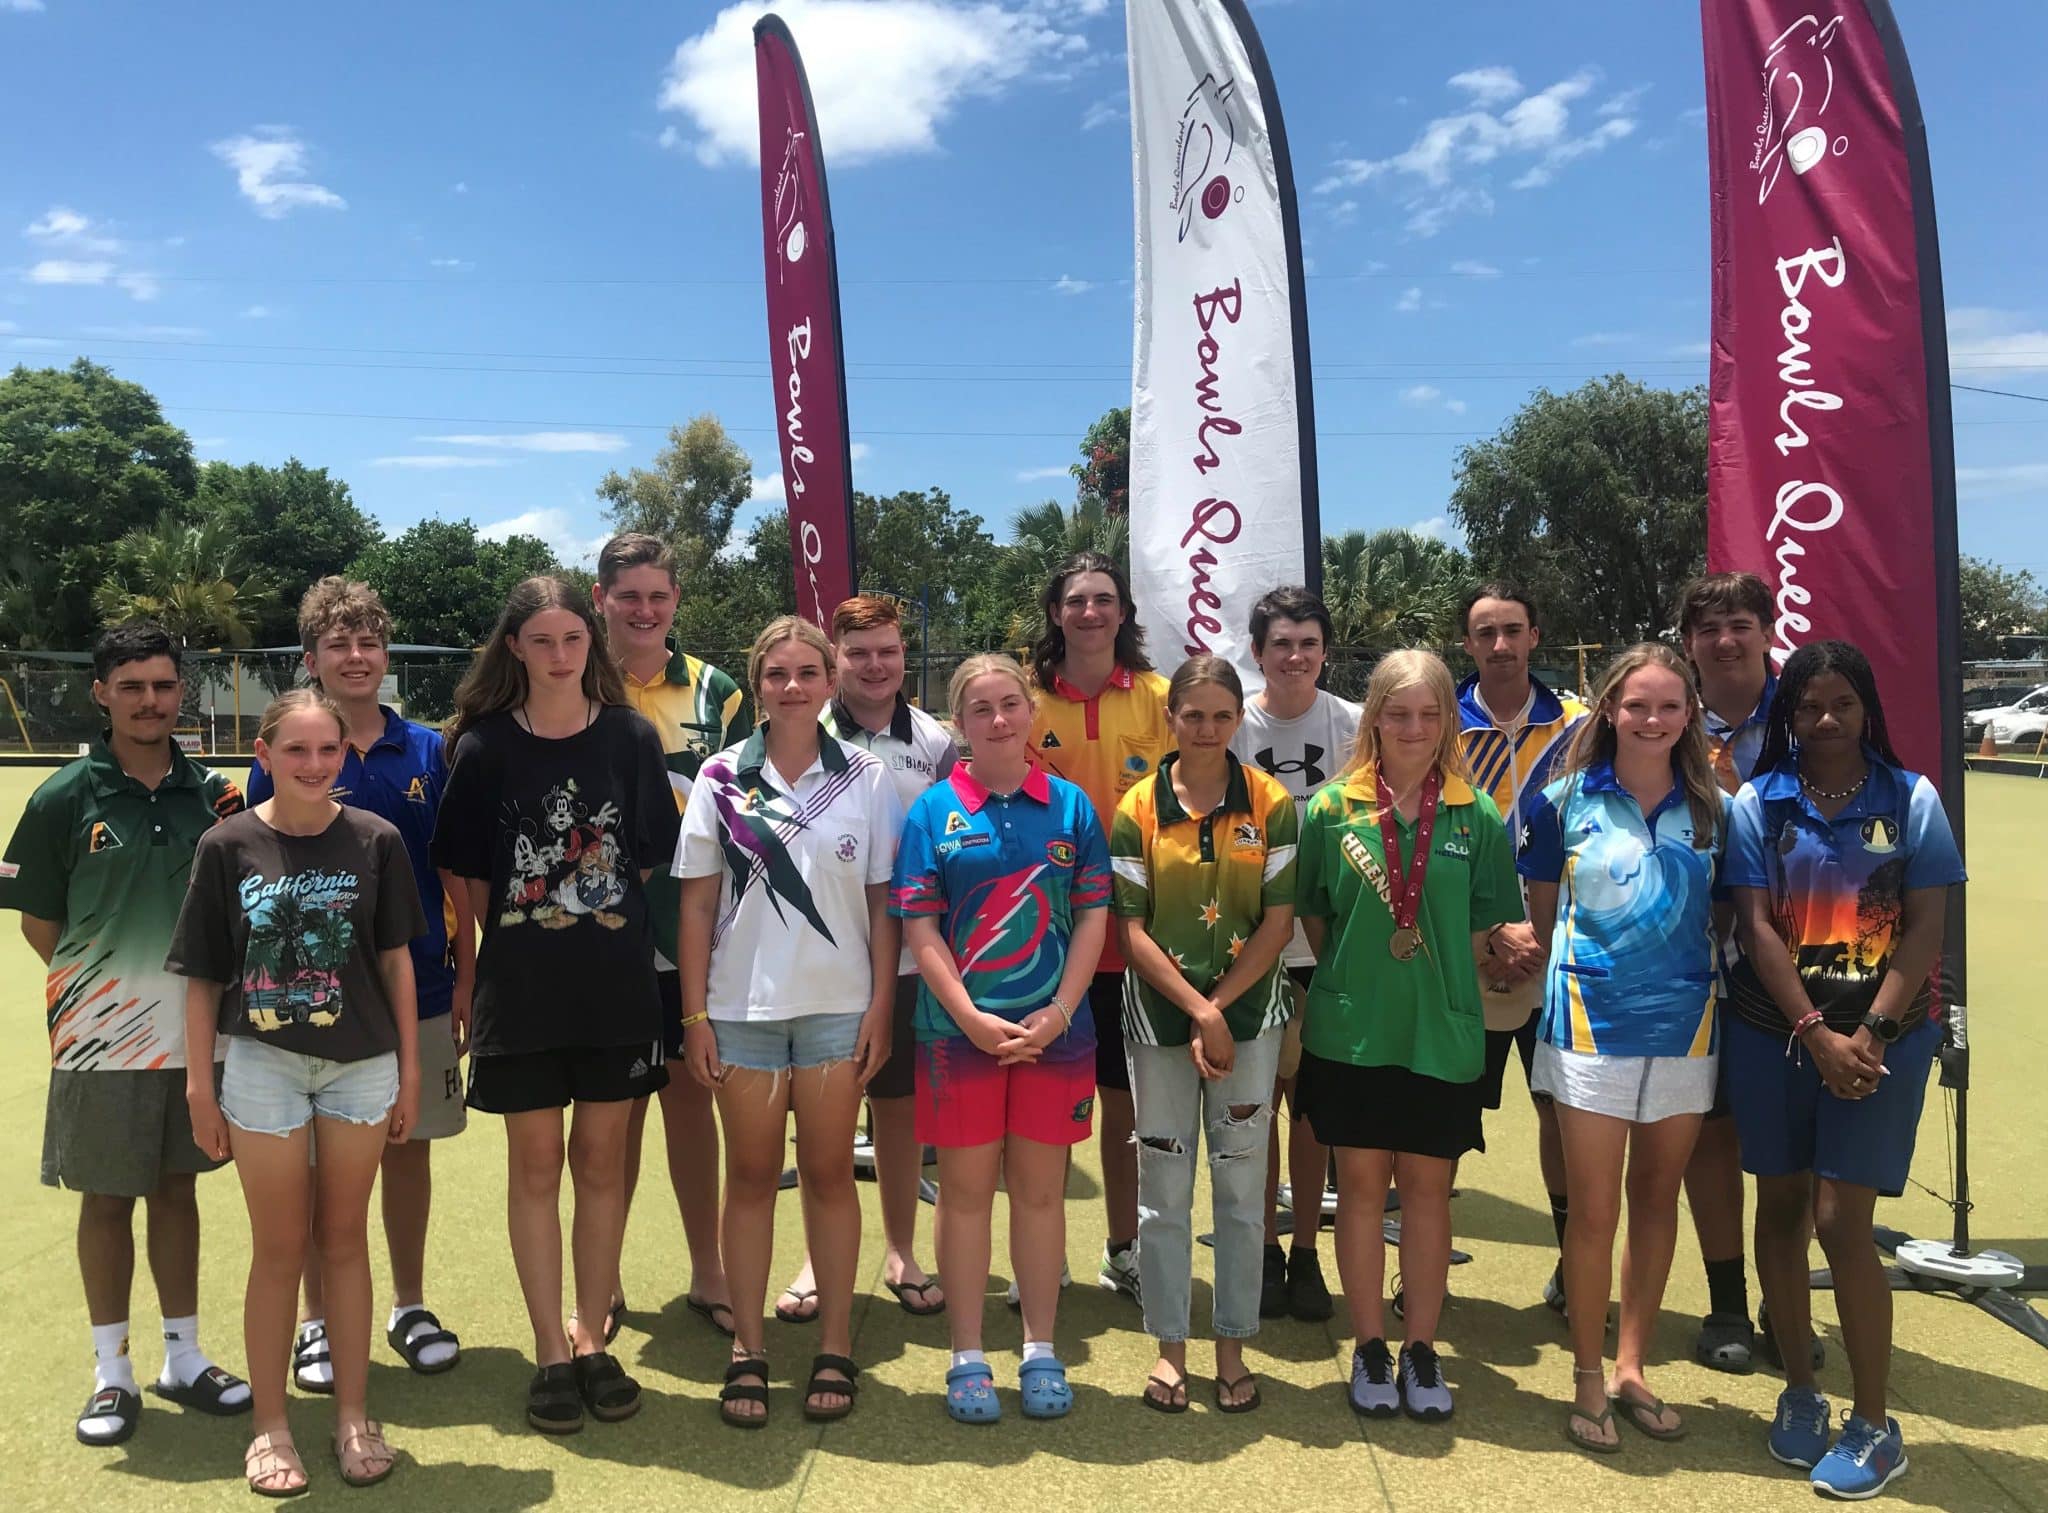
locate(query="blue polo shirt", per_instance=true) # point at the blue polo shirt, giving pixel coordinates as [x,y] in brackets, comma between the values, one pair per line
[1004,874]
[1838,887]
[400,779]
[1631,969]
[1735,748]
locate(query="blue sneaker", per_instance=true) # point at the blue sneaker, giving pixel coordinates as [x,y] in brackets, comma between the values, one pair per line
[1799,1434]
[1863,1462]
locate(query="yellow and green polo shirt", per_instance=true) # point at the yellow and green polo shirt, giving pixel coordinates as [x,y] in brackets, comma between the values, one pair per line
[1366,1007]
[1104,743]
[110,858]
[1201,884]
[697,711]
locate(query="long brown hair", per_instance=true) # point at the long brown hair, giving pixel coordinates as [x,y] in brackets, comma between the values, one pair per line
[1407,668]
[1593,742]
[497,679]
[1050,647]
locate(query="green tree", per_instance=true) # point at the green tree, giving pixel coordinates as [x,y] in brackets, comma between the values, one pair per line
[921,547]
[85,458]
[1103,475]
[1596,500]
[690,496]
[1042,536]
[1392,588]
[192,578]
[1998,602]
[295,520]
[444,584]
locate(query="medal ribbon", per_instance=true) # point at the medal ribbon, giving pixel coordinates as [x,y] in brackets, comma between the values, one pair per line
[1407,900]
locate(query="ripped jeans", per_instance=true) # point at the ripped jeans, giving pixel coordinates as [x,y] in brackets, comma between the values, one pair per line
[1175,1107]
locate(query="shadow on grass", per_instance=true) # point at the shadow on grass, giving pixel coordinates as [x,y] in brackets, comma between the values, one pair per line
[1487,1218]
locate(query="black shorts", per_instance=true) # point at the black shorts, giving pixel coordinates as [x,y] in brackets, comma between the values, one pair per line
[1302,976]
[1498,1044]
[522,1082]
[897,1079]
[1388,1108]
[1106,1006]
[670,985]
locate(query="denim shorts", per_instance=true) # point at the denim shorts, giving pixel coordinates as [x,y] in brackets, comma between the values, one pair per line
[268,1091]
[777,1045]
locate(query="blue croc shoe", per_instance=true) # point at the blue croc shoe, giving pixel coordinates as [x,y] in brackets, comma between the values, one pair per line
[1864,1461]
[971,1394]
[1044,1385]
[1799,1434]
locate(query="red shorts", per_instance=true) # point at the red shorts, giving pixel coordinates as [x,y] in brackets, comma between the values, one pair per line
[965,1097]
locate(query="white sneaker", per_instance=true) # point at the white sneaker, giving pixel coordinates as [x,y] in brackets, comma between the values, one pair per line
[1120,1271]
[1011,1297]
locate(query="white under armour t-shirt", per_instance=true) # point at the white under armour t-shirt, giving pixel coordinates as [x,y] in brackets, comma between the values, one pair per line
[1303,753]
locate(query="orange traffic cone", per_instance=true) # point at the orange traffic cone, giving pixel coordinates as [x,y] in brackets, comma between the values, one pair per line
[1988,747]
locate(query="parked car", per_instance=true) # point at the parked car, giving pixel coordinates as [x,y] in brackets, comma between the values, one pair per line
[2023,720]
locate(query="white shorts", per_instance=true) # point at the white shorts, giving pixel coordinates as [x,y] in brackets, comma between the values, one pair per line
[1640,1089]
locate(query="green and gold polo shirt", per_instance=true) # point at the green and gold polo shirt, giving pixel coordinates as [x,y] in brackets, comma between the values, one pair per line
[1365,1006]
[1201,884]
[110,858]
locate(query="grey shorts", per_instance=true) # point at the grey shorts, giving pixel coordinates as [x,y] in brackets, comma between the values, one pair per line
[1639,1089]
[119,1134]
[442,1109]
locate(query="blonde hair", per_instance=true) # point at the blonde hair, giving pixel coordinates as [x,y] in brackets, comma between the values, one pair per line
[785,628]
[299,701]
[1594,741]
[1394,673]
[981,665]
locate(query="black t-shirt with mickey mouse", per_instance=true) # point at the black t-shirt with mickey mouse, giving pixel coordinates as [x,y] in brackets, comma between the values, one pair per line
[562,830]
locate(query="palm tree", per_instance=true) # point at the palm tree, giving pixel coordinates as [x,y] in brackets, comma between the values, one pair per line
[1045,535]
[190,577]
[1392,588]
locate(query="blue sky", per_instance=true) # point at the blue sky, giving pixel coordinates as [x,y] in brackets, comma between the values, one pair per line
[469,257]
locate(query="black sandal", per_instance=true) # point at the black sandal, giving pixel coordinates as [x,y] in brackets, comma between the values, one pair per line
[553,1405]
[205,1391]
[821,1384]
[736,1390]
[607,1391]
[309,1348]
[117,1403]
[410,1345]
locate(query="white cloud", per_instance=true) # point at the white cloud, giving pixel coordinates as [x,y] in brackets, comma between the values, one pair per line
[209,443]
[1434,527]
[2012,478]
[1344,212]
[1410,300]
[1033,475]
[442,460]
[1421,394]
[1488,86]
[1691,349]
[1373,267]
[64,270]
[270,171]
[1985,340]
[65,227]
[858,451]
[1623,104]
[1067,284]
[884,75]
[1604,339]
[1102,113]
[142,286]
[1455,406]
[257,312]
[1443,173]
[537,441]
[768,490]
[458,187]
[1468,267]
[567,536]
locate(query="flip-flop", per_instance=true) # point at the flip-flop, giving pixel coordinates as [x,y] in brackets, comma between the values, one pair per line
[205,1391]
[927,1308]
[1644,1416]
[1175,1401]
[710,1311]
[1245,1405]
[1604,1418]
[789,1315]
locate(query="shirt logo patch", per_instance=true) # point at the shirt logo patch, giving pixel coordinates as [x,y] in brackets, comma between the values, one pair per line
[848,849]
[1083,1109]
[1246,837]
[416,790]
[1060,853]
[956,823]
[1309,766]
[10,869]
[101,837]
[1135,763]
[1049,742]
[1880,835]
[961,843]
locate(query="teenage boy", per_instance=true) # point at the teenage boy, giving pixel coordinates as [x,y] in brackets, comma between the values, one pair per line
[870,711]
[696,710]
[98,866]
[1724,625]
[1300,733]
[395,769]
[1099,721]
[1513,731]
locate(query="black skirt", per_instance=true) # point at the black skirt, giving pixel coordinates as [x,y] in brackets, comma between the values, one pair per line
[1389,1108]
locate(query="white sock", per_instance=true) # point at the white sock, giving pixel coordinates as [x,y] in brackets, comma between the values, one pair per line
[321,1372]
[430,1355]
[185,1362]
[968,1358]
[1037,1350]
[111,1366]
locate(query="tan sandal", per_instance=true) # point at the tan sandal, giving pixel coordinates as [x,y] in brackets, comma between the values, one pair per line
[361,1446]
[269,1457]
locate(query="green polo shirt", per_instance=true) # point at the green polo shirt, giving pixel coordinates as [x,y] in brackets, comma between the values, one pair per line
[110,858]
[1365,1007]
[1202,883]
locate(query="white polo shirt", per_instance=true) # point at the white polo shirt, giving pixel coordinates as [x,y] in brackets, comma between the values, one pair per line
[916,750]
[795,861]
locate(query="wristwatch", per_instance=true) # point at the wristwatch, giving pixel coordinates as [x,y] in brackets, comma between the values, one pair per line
[1884,1027]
